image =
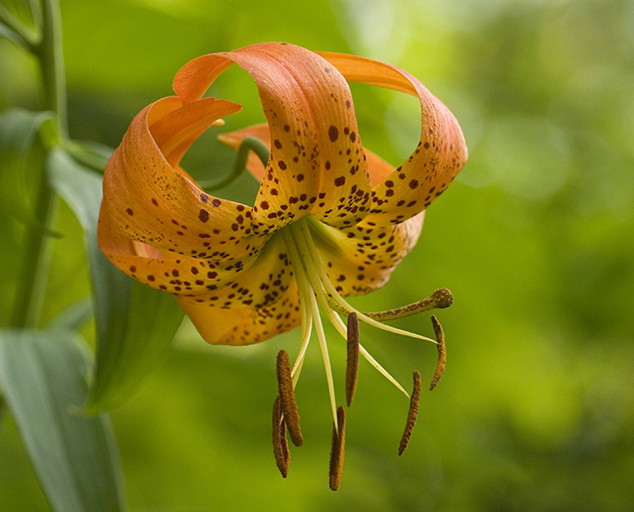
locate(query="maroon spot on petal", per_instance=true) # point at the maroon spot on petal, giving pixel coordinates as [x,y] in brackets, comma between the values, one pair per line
[413,184]
[203,215]
[133,269]
[300,177]
[333,133]
[216,202]
[353,136]
[212,275]
[328,166]
[204,198]
[154,202]
[340,181]
[287,128]
[277,144]
[282,165]
[264,205]
[129,211]
[151,278]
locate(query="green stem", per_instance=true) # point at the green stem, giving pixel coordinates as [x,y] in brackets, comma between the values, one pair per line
[240,164]
[50,54]
[37,252]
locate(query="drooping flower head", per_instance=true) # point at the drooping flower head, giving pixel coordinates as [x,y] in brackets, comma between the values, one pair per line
[330,220]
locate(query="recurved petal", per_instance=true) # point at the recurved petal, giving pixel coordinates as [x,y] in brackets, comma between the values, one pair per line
[150,199]
[258,280]
[439,156]
[361,259]
[317,163]
[245,326]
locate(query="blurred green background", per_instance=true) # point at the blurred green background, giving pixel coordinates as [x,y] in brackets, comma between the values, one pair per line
[535,239]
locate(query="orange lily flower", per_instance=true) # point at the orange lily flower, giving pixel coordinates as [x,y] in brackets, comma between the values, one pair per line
[330,220]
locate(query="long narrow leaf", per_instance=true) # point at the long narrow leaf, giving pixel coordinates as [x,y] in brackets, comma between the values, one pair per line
[135,323]
[18,131]
[75,457]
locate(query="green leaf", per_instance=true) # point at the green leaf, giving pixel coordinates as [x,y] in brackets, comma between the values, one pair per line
[72,317]
[135,323]
[90,154]
[18,152]
[75,457]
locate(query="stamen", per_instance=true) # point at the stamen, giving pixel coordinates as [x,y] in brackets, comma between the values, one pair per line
[442,352]
[287,398]
[337,449]
[280,443]
[352,366]
[441,298]
[307,296]
[324,352]
[412,415]
[307,326]
[381,370]
[304,251]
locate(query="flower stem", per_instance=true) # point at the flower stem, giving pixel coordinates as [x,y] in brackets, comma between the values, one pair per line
[49,52]
[37,252]
[240,164]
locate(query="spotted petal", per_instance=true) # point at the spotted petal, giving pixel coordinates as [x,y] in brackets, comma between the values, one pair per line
[245,326]
[317,165]
[378,168]
[439,156]
[149,199]
[361,259]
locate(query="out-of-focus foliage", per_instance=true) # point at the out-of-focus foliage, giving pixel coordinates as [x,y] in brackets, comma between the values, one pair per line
[535,239]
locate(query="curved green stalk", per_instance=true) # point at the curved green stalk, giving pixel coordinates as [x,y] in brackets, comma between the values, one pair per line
[240,164]
[34,273]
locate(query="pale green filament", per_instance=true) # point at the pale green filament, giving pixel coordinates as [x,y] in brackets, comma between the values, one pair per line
[318,279]
[307,297]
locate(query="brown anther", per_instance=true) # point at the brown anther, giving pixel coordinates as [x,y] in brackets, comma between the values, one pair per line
[287,398]
[442,297]
[442,352]
[412,415]
[280,444]
[337,449]
[352,366]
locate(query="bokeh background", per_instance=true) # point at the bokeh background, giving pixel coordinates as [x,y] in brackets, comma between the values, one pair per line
[535,239]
